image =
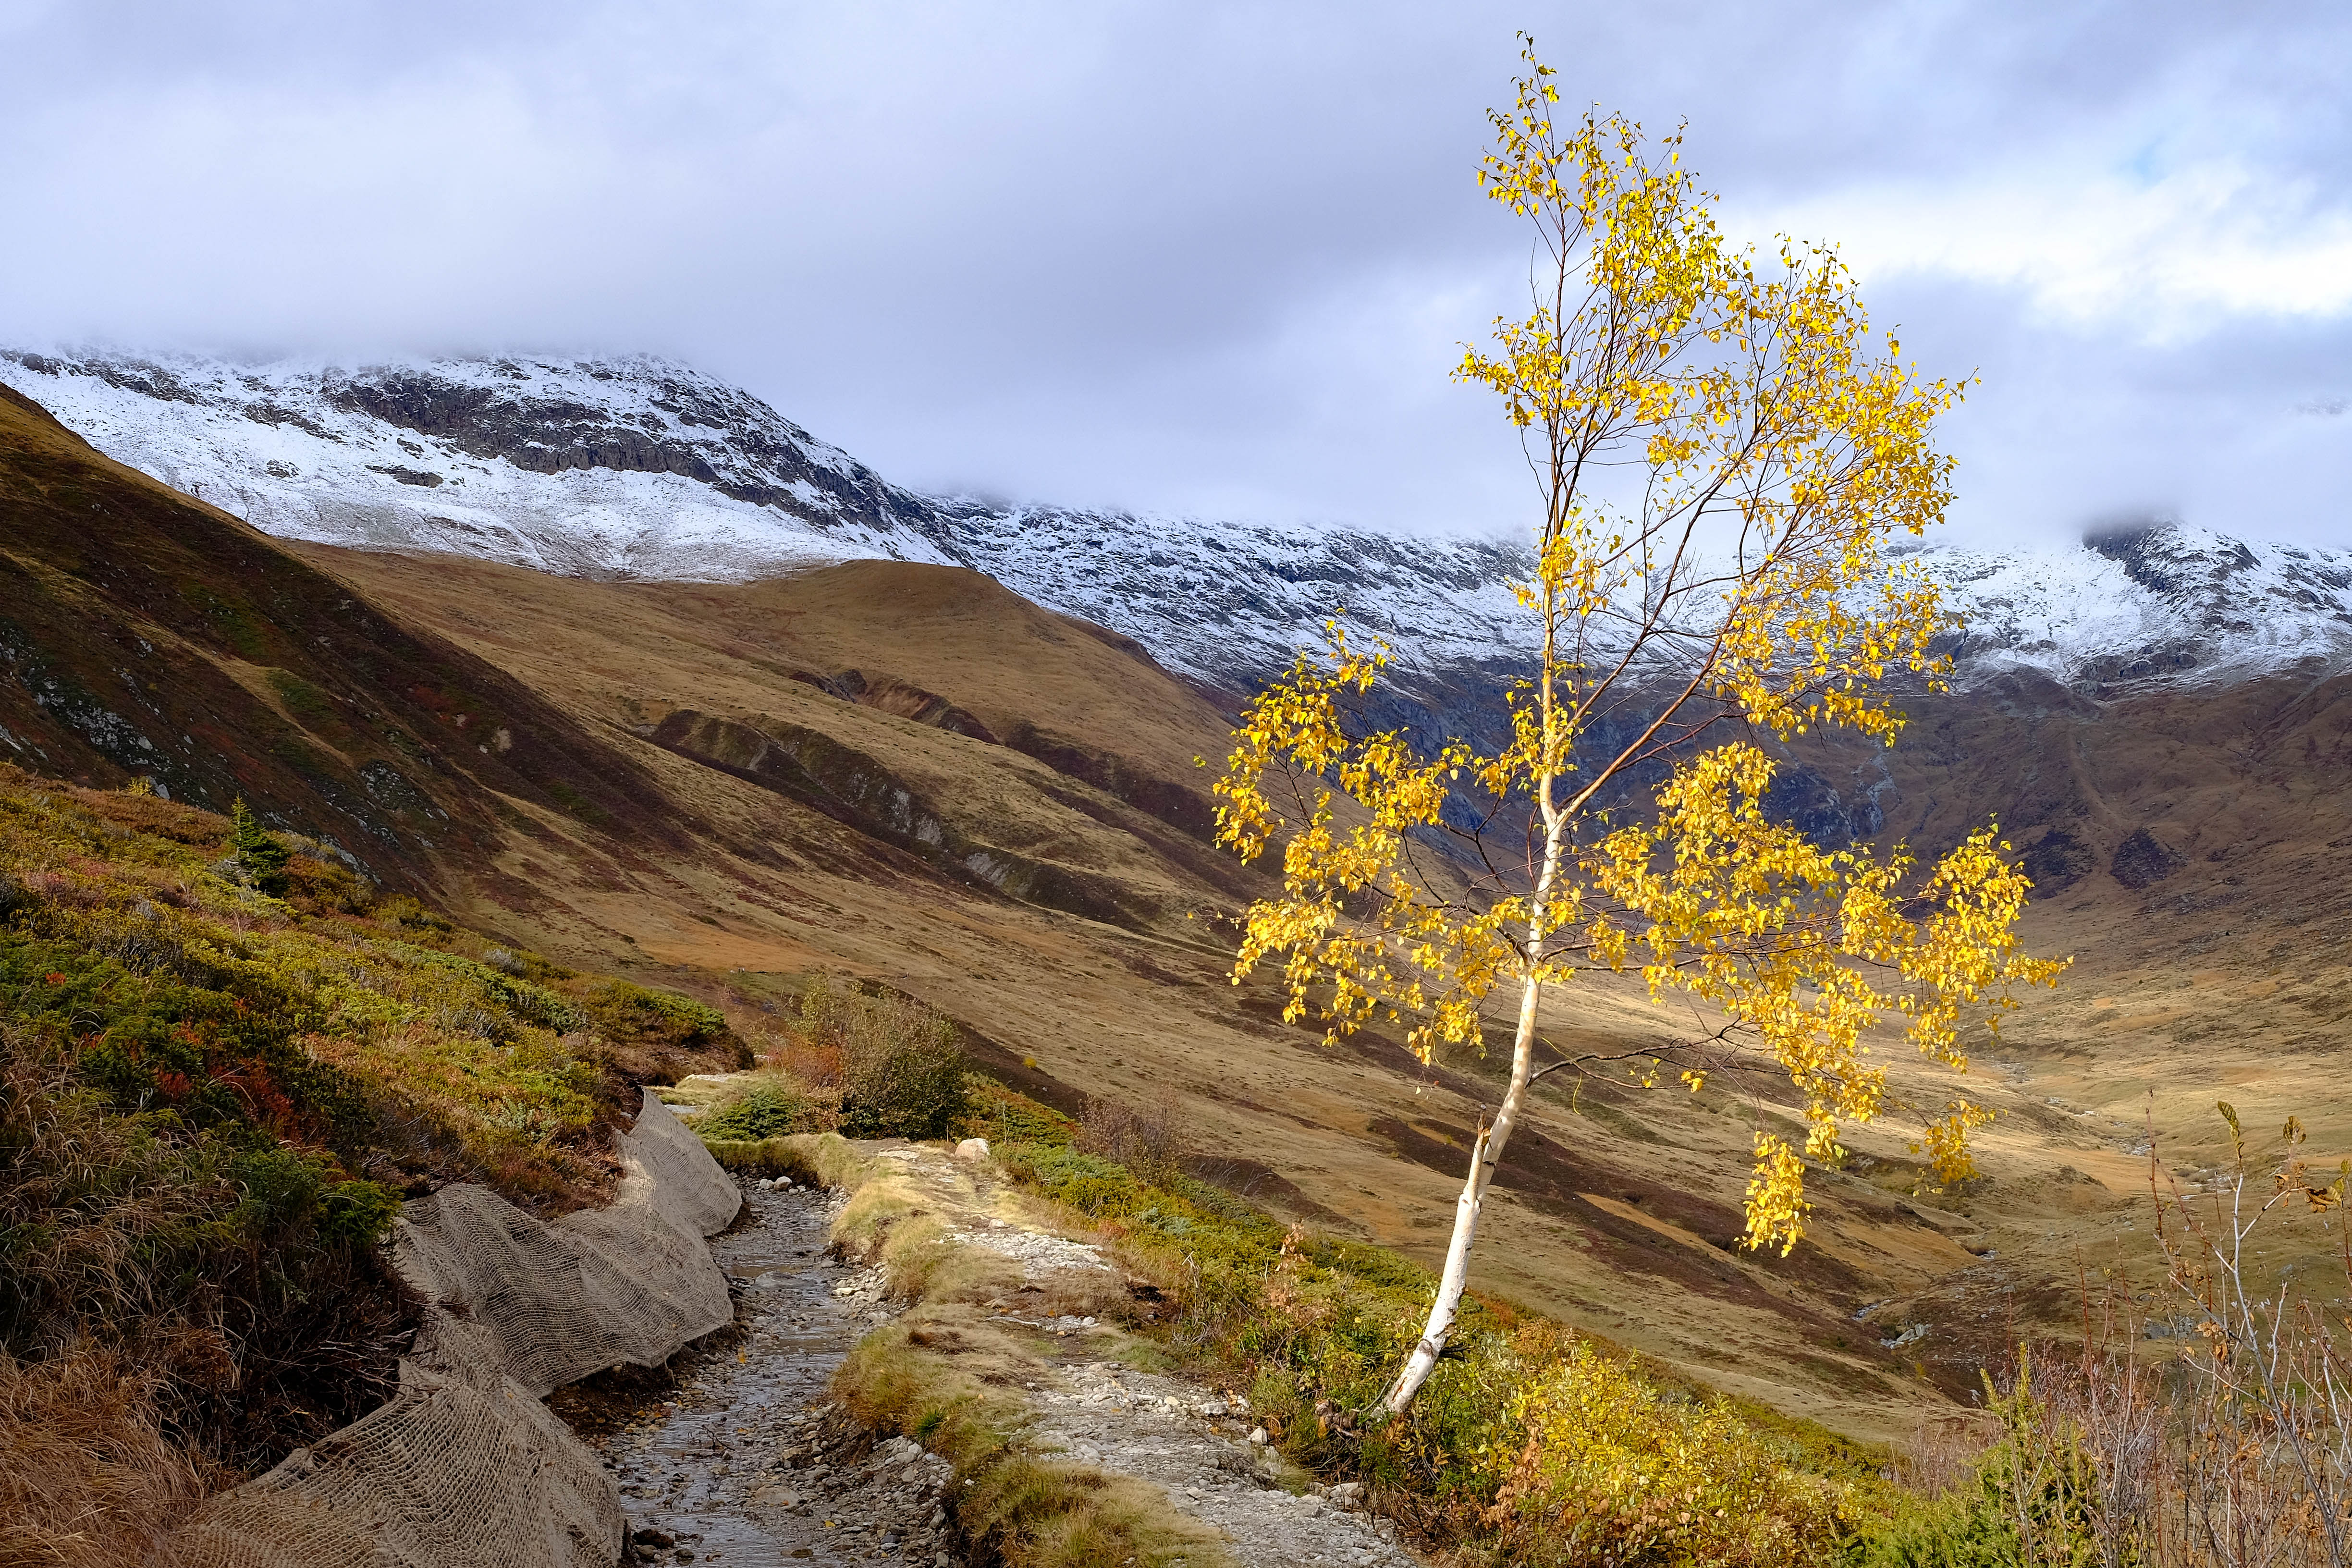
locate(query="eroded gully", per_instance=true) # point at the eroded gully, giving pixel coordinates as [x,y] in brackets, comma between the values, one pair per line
[706,1470]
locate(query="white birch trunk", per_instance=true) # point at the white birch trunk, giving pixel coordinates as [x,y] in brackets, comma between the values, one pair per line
[1485,1154]
[1486,1148]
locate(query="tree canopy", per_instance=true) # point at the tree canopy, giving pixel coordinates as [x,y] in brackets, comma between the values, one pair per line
[1723,452]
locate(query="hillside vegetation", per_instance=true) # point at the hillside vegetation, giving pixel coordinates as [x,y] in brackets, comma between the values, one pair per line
[224,1059]
[146,635]
[1033,736]
[1536,1443]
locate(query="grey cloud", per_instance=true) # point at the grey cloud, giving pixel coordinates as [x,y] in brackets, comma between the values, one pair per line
[1200,256]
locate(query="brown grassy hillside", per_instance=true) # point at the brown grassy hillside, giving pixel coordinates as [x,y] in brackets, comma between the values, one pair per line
[909,774]
[145,634]
[2194,852]
[2192,849]
[1622,1206]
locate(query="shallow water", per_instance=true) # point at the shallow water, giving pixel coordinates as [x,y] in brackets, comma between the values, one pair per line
[696,1467]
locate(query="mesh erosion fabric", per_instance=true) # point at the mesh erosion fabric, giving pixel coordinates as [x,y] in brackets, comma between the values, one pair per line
[464,1467]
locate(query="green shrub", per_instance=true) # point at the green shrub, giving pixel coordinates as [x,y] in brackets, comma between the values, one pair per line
[764,1110]
[2034,1499]
[1943,1532]
[640,1015]
[258,853]
[1003,1116]
[902,1073]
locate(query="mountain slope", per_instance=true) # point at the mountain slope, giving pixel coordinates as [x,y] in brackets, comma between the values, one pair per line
[637,468]
[900,770]
[1622,1206]
[146,635]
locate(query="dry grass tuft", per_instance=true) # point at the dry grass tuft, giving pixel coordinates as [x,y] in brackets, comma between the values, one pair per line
[88,1479]
[1152,1141]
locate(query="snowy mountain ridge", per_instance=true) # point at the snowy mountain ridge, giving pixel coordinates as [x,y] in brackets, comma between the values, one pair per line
[639,467]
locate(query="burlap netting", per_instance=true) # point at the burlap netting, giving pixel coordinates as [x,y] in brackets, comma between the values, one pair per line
[465,1467]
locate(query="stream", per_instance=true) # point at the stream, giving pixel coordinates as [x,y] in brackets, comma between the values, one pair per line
[704,1472]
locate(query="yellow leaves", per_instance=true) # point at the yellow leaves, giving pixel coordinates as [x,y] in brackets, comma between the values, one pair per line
[1293,724]
[1813,949]
[1775,1205]
[1945,1141]
[1778,456]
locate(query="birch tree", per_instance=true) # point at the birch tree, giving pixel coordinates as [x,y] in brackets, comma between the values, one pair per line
[1723,451]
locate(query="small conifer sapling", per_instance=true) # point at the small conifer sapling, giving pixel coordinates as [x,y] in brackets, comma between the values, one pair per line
[259,854]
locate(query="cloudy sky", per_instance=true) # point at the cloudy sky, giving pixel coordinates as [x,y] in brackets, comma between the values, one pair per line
[1209,256]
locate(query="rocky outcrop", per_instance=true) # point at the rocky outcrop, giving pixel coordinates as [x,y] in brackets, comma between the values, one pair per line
[863,792]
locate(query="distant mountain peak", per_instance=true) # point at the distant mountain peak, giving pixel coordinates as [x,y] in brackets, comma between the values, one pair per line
[641,467]
[2162,602]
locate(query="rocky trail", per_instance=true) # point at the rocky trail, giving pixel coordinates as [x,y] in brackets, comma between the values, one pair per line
[1196,1447]
[706,1472]
[747,1463]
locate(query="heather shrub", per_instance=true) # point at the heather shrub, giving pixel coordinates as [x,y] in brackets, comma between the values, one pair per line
[1617,1470]
[233,1278]
[213,1100]
[901,1072]
[639,1014]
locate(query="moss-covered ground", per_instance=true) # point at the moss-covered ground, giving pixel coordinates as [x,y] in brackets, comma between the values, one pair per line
[221,1070]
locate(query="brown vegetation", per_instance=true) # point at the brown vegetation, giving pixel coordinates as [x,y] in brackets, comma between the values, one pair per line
[2226,976]
[213,1096]
[87,1479]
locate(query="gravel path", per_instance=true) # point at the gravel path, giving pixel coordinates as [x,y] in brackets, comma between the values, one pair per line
[1193,1445]
[747,1465]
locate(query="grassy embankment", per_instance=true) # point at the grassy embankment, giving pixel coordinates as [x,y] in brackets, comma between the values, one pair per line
[1532,1444]
[221,1067]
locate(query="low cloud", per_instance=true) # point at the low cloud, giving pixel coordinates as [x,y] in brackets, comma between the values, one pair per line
[1212,257]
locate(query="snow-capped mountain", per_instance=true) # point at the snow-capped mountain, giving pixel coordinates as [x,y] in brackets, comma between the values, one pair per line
[2166,602]
[622,468]
[642,467]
